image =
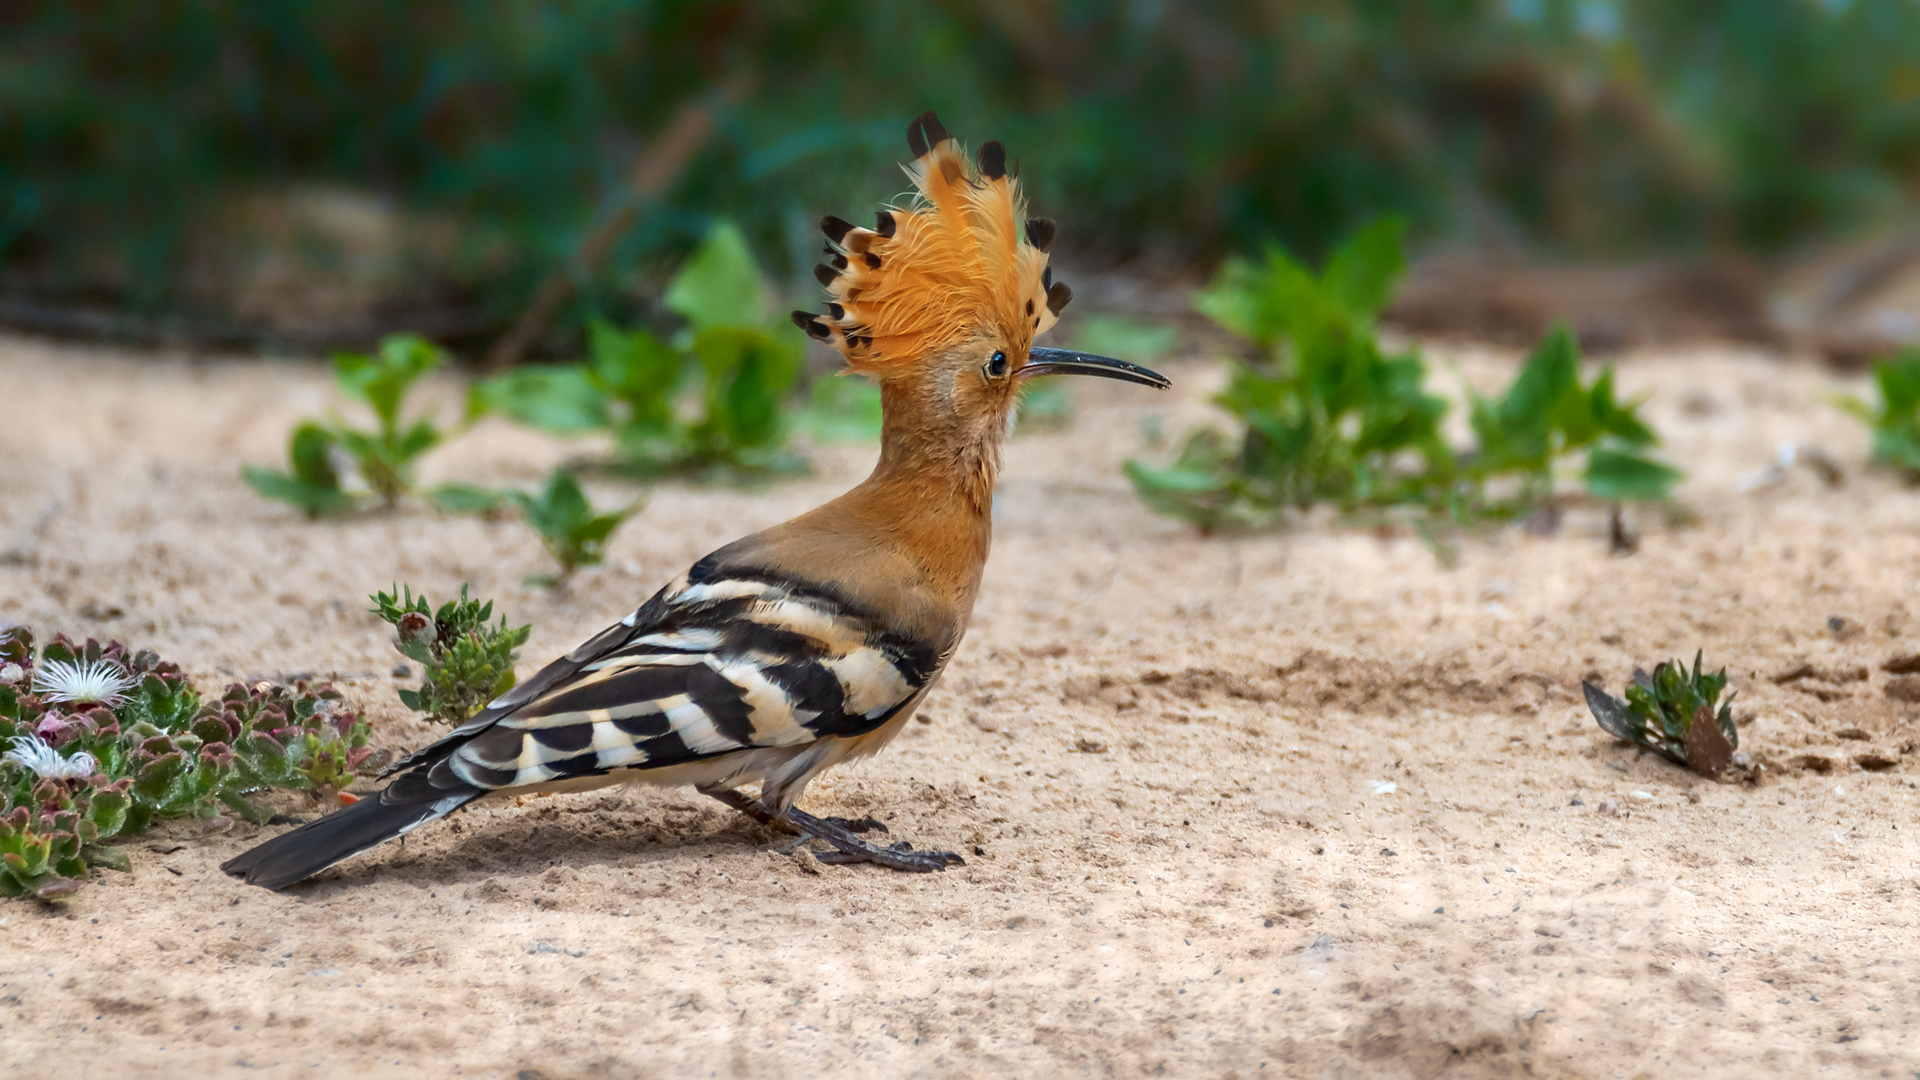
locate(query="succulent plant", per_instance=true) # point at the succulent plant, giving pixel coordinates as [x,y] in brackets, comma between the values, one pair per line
[1672,713]
[100,742]
[465,661]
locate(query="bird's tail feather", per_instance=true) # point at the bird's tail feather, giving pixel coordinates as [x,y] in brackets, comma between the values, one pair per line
[295,856]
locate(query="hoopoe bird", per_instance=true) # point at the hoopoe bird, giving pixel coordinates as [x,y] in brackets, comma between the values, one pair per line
[811,643]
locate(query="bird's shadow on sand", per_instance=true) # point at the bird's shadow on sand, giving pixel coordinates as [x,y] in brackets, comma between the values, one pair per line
[630,832]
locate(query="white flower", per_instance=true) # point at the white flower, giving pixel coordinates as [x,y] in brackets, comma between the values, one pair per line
[83,683]
[47,763]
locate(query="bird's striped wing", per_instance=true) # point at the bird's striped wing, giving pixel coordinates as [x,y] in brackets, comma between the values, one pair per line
[704,669]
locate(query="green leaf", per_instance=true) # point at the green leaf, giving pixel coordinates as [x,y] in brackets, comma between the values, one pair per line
[567,524]
[1623,476]
[454,498]
[719,286]
[561,399]
[383,381]
[315,500]
[639,371]
[748,374]
[310,452]
[1361,272]
[1174,481]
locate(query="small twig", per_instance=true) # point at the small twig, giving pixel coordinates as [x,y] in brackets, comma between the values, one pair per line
[1619,540]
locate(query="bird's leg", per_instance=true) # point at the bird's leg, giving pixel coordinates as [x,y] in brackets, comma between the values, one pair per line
[750,806]
[850,848]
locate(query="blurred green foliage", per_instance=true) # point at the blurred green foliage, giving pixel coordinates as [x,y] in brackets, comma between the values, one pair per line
[1895,419]
[1328,416]
[383,458]
[711,401]
[574,533]
[129,130]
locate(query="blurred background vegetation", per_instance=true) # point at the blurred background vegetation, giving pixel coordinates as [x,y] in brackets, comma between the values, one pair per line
[319,173]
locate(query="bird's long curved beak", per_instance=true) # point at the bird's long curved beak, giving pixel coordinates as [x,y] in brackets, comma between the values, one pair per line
[1068,362]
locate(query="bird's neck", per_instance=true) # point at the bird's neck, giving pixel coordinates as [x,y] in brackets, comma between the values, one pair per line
[933,486]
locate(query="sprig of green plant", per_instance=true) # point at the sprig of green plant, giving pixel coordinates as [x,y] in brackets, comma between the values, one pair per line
[1326,416]
[465,659]
[1672,713]
[101,742]
[712,401]
[1546,415]
[382,458]
[1895,418]
[574,533]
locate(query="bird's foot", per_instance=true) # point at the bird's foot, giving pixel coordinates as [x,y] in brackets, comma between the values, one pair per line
[849,848]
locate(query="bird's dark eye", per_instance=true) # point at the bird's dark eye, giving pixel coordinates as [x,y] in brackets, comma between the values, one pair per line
[996,366]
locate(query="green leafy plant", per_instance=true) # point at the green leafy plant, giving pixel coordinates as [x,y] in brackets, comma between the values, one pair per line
[712,401]
[1327,416]
[466,660]
[1548,414]
[1895,419]
[1672,713]
[574,533]
[383,458]
[101,742]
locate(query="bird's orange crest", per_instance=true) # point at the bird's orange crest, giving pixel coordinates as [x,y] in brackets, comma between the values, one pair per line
[960,260]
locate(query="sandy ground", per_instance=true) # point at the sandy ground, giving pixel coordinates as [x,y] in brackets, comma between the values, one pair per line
[1307,804]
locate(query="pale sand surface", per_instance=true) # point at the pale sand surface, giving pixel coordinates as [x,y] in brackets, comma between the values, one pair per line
[1172,750]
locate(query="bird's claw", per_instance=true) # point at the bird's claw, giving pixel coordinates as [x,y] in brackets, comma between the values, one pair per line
[849,848]
[897,856]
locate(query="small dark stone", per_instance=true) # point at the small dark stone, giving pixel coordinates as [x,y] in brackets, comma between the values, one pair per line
[401,671]
[1908,664]
[1904,688]
[1388,852]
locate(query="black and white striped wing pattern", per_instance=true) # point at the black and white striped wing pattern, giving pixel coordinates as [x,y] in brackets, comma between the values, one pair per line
[707,669]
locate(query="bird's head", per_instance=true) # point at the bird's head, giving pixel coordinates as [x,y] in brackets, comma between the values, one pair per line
[940,302]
